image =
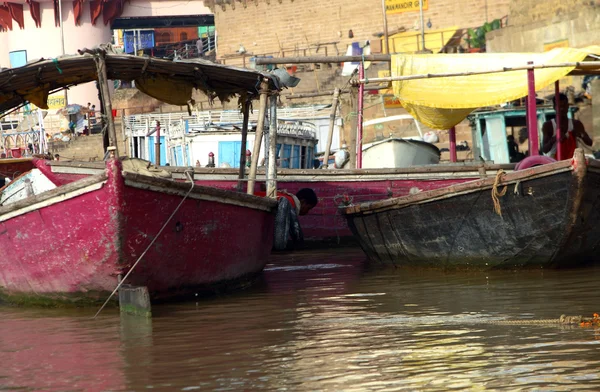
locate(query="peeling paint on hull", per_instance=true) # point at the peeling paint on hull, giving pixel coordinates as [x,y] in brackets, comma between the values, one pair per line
[73,247]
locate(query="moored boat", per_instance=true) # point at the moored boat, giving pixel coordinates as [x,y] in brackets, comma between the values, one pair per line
[79,238]
[546,218]
[74,242]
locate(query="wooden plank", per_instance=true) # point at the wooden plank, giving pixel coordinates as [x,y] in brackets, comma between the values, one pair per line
[199,192]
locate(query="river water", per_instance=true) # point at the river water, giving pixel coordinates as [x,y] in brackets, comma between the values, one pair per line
[322,321]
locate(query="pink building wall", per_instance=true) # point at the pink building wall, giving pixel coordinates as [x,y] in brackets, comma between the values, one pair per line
[45,42]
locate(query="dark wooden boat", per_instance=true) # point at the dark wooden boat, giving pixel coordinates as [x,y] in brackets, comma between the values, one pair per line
[547,218]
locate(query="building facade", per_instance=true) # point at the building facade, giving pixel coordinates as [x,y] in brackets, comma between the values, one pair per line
[29,30]
[299,27]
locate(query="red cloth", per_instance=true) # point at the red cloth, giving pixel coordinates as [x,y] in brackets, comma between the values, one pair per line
[279,196]
[95,10]
[5,18]
[56,14]
[568,146]
[34,10]
[16,12]
[112,10]
[77,11]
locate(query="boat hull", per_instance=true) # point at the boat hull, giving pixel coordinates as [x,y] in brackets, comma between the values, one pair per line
[75,244]
[324,224]
[548,218]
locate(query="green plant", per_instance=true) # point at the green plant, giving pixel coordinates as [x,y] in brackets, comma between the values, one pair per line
[476,37]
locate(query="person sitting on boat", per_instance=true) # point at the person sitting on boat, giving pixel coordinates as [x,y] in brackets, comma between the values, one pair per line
[570,131]
[289,207]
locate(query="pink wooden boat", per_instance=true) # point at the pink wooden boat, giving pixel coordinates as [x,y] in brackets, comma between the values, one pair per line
[73,242]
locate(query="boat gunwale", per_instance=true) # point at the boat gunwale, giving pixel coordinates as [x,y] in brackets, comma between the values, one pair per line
[44,199]
[465,188]
[438,168]
[199,192]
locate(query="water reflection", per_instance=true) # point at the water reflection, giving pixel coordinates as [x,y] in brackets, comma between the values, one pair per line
[323,321]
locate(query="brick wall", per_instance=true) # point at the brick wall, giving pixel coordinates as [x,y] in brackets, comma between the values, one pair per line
[267,26]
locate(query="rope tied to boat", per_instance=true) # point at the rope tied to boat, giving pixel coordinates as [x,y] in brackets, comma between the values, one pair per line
[189,173]
[496,195]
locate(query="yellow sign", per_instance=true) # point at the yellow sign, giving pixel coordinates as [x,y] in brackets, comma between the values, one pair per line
[55,101]
[563,43]
[401,6]
[389,100]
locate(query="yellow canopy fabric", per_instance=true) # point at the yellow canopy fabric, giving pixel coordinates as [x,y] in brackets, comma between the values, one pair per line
[443,102]
[410,41]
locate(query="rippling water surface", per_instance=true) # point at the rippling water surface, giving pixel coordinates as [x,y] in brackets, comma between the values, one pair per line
[322,321]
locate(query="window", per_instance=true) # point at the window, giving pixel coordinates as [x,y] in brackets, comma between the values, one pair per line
[183,36]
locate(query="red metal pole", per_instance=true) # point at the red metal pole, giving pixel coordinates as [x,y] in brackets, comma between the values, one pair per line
[532,126]
[452,134]
[557,119]
[361,102]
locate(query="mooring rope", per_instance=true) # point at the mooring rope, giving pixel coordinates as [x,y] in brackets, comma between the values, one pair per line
[187,173]
[497,195]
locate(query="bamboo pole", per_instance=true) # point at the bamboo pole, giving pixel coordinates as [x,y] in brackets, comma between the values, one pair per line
[103,85]
[385,28]
[334,105]
[329,93]
[272,168]
[157,145]
[321,59]
[264,91]
[592,65]
[353,126]
[246,114]
[361,104]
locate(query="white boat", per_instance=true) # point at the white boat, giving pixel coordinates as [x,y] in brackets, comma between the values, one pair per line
[395,152]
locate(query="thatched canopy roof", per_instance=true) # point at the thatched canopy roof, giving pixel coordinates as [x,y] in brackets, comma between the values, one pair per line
[167,80]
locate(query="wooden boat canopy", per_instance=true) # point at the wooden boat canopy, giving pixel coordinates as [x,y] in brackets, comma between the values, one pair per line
[159,78]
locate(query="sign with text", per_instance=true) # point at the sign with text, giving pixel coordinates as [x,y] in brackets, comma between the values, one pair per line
[55,101]
[401,6]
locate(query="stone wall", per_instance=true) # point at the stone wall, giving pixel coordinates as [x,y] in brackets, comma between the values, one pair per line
[577,29]
[272,26]
[524,12]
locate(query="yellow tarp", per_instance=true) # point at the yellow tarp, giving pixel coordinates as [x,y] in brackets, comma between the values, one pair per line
[411,41]
[441,103]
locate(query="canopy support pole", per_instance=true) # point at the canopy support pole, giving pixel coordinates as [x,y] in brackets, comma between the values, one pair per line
[532,125]
[157,145]
[559,156]
[264,91]
[246,114]
[359,127]
[452,134]
[353,126]
[272,169]
[334,105]
[105,95]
